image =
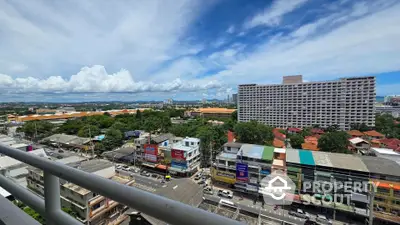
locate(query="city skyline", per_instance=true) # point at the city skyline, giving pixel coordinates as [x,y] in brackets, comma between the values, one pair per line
[190,50]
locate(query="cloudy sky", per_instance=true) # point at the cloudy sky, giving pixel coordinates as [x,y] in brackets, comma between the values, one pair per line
[75,50]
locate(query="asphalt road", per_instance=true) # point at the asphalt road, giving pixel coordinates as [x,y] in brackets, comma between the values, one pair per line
[142,180]
[270,213]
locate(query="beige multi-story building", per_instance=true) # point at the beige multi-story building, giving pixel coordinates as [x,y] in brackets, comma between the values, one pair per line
[89,207]
[295,103]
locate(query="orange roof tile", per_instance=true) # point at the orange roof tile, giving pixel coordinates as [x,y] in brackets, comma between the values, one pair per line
[214,110]
[376,141]
[311,140]
[355,133]
[278,143]
[309,146]
[373,133]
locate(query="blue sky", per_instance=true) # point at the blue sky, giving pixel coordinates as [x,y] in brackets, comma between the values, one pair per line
[130,50]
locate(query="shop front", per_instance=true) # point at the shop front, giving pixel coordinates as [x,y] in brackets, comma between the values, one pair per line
[223,176]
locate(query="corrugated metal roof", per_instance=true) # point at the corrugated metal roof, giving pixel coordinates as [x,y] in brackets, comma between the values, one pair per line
[321,159]
[255,152]
[292,156]
[268,153]
[381,165]
[347,161]
[306,157]
[226,155]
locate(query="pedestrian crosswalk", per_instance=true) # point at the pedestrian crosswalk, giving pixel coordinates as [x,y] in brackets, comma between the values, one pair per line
[144,187]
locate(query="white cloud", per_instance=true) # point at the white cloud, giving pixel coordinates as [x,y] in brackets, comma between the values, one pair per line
[357,46]
[231,29]
[138,35]
[97,79]
[273,15]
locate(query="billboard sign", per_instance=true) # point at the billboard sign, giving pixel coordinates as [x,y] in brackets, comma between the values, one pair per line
[151,149]
[178,154]
[150,152]
[180,165]
[242,172]
[150,158]
[223,176]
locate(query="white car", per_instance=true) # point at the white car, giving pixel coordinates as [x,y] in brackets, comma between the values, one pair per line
[119,167]
[321,219]
[300,214]
[225,194]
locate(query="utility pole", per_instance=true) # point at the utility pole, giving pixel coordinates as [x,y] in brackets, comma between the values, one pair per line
[35,131]
[91,142]
[371,206]
[211,162]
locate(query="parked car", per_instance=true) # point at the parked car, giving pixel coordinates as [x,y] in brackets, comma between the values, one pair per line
[61,151]
[208,190]
[300,214]
[321,219]
[59,157]
[119,167]
[154,176]
[197,178]
[201,182]
[145,173]
[225,194]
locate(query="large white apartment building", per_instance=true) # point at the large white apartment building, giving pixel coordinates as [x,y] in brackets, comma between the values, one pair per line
[295,103]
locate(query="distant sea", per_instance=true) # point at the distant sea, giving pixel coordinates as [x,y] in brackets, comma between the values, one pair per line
[379,98]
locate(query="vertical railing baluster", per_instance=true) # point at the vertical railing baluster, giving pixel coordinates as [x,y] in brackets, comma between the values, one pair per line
[51,197]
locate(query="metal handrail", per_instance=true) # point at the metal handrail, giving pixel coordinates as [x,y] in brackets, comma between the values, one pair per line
[167,210]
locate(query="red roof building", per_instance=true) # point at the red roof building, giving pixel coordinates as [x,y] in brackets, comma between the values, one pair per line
[309,146]
[355,133]
[392,143]
[278,143]
[278,134]
[293,130]
[231,136]
[374,134]
[317,131]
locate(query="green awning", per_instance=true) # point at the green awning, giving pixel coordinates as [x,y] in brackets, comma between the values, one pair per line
[321,173]
[293,169]
[268,153]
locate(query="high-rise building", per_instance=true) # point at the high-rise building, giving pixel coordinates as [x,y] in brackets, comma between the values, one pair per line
[234,98]
[295,103]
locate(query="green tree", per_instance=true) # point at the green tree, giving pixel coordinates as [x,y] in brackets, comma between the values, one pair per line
[254,133]
[70,212]
[71,127]
[89,131]
[165,123]
[316,126]
[152,124]
[211,139]
[306,131]
[99,148]
[296,140]
[37,129]
[385,124]
[138,114]
[234,115]
[336,141]
[34,214]
[359,126]
[112,140]
[332,128]
[123,127]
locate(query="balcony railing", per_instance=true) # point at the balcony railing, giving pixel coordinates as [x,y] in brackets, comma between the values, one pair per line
[167,210]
